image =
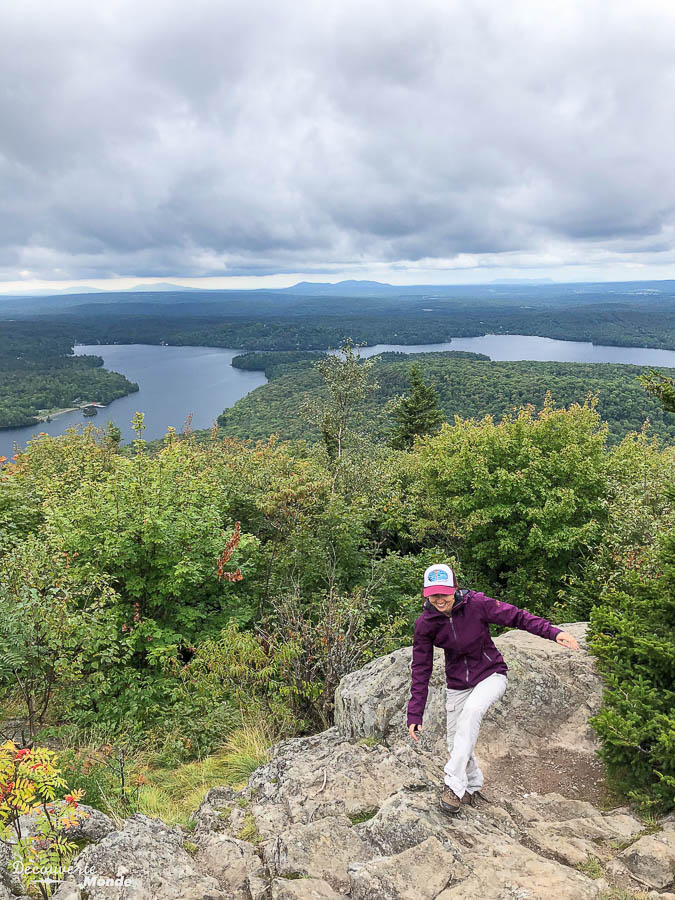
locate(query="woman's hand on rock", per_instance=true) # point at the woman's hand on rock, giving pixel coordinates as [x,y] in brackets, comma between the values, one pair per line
[412,729]
[568,640]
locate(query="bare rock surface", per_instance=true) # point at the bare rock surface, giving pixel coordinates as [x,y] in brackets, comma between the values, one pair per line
[145,860]
[315,777]
[575,840]
[551,807]
[216,805]
[516,873]
[420,873]
[302,889]
[354,812]
[651,859]
[323,849]
[234,864]
[10,883]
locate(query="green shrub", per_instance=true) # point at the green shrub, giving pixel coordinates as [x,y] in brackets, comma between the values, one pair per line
[633,637]
[59,631]
[330,637]
[516,502]
[639,472]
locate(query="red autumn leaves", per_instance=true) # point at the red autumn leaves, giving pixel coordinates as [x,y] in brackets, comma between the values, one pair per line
[226,555]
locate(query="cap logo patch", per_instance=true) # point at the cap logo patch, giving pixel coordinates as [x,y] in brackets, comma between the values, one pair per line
[437,575]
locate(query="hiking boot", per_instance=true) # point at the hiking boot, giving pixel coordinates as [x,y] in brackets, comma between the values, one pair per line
[450,802]
[475,799]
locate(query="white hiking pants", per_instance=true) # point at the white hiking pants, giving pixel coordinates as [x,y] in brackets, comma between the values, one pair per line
[465,711]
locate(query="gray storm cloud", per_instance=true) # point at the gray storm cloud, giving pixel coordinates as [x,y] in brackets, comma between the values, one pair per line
[209,137]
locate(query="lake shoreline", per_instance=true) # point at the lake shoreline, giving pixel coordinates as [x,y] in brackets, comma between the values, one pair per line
[59,412]
[175,381]
[170,384]
[49,417]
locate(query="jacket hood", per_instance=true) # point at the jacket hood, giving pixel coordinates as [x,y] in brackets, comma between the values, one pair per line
[461,596]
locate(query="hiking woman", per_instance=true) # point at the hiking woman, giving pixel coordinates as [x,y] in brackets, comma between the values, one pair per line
[458,621]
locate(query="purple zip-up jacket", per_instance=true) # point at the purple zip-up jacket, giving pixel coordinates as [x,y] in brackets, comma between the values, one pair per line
[464,635]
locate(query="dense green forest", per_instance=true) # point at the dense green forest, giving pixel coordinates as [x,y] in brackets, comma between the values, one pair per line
[606,324]
[36,334]
[268,323]
[468,384]
[277,363]
[38,372]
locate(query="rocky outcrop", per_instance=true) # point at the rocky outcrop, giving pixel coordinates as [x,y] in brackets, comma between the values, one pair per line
[10,883]
[353,811]
[420,873]
[551,694]
[234,864]
[650,860]
[324,849]
[146,860]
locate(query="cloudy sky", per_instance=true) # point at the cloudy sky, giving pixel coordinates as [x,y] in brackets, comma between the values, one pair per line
[262,141]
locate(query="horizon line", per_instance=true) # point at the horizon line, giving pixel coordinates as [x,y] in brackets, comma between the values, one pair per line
[145,286]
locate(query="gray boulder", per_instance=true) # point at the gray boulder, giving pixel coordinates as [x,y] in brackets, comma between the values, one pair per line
[302,889]
[322,849]
[514,872]
[10,883]
[411,817]
[651,859]
[550,696]
[234,864]
[146,860]
[420,873]
[92,825]
[214,811]
[575,840]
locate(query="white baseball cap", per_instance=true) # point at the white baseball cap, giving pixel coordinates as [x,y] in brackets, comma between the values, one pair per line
[439,579]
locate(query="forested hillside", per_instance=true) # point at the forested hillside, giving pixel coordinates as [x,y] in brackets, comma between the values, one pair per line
[273,322]
[468,385]
[38,335]
[38,373]
[152,603]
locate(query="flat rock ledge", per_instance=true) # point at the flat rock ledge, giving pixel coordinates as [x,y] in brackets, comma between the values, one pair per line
[353,811]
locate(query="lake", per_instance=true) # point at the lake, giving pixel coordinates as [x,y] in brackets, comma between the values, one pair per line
[523,346]
[172,381]
[176,381]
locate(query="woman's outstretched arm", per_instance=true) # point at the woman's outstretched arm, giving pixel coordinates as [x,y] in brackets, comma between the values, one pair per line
[497,612]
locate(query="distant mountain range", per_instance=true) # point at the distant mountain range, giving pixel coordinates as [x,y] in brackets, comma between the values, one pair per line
[353,288]
[157,287]
[349,288]
[316,289]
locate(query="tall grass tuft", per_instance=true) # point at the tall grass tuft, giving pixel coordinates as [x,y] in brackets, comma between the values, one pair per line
[168,792]
[173,794]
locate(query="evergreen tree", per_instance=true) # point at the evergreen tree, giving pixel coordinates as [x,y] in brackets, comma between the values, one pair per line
[416,413]
[632,636]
